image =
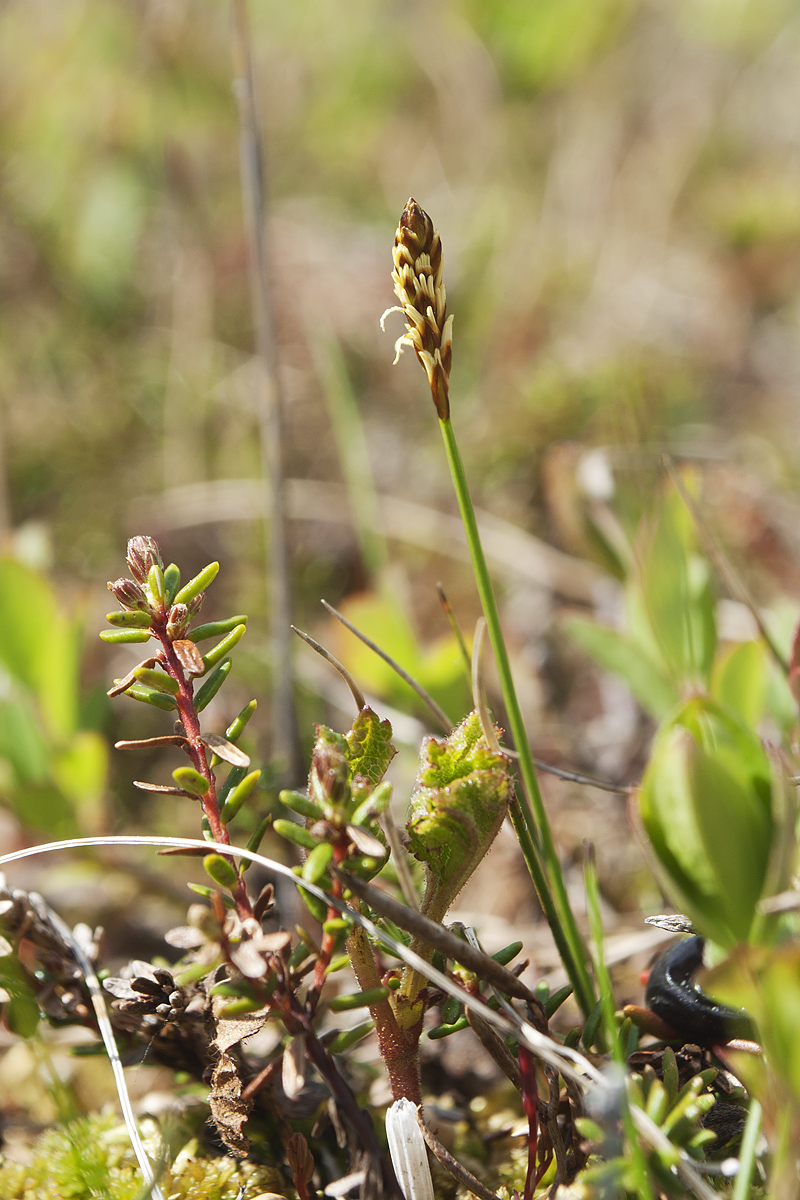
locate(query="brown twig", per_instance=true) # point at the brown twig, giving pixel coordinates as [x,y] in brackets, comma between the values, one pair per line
[426,699]
[456,1169]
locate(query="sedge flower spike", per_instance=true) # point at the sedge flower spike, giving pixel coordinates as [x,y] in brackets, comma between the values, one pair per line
[419,286]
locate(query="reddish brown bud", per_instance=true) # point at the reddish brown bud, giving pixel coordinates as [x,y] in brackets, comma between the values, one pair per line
[128,594]
[143,553]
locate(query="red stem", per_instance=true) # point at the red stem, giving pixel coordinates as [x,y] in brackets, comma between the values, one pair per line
[197,753]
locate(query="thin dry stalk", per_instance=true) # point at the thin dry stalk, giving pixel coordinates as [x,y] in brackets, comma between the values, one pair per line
[286,733]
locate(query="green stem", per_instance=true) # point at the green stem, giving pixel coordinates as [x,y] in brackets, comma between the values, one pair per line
[538,846]
[747,1152]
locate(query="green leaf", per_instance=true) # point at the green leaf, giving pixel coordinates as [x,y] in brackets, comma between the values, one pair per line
[459,802]
[739,680]
[297,834]
[238,796]
[618,653]
[209,688]
[766,982]
[237,727]
[158,680]
[191,780]
[129,620]
[706,806]
[317,862]
[172,581]
[216,628]
[220,870]
[39,646]
[369,746]
[221,649]
[118,637]
[22,742]
[197,585]
[81,773]
[676,586]
[146,695]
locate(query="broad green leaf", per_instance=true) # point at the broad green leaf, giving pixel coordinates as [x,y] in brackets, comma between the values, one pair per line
[676,586]
[739,680]
[706,806]
[38,645]
[766,981]
[81,771]
[619,653]
[22,743]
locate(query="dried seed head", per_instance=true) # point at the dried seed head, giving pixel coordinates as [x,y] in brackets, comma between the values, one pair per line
[419,286]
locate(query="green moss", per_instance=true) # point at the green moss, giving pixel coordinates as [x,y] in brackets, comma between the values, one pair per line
[92,1157]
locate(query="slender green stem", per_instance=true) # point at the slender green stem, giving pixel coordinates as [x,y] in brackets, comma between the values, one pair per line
[747,1152]
[543,864]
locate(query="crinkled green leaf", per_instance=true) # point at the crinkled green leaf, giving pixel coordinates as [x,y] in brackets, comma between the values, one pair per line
[462,794]
[369,746]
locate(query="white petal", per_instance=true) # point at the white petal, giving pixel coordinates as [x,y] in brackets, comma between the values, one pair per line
[408,1151]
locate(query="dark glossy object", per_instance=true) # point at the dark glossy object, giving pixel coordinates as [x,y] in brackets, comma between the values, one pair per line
[672,994]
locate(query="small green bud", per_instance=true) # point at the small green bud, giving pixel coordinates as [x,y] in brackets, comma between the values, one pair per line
[216,628]
[116,636]
[297,834]
[358,999]
[338,963]
[191,780]
[147,695]
[197,585]
[221,870]
[158,680]
[237,797]
[129,620]
[236,728]
[221,649]
[172,581]
[317,862]
[210,686]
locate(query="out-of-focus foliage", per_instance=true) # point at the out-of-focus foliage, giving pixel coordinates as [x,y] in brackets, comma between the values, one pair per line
[53,763]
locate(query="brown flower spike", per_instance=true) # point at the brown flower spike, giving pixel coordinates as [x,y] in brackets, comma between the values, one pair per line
[419,286]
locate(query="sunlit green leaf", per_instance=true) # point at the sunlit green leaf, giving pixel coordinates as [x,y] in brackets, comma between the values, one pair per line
[739,680]
[619,653]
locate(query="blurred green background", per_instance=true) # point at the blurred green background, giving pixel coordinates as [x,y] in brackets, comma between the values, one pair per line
[617,186]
